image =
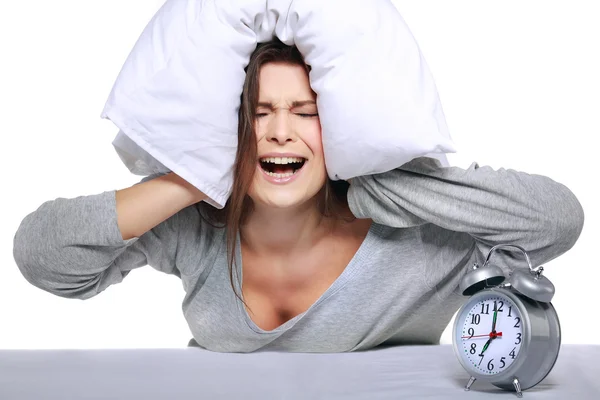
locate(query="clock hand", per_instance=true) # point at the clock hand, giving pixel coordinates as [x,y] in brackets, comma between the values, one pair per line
[480,336]
[486,345]
[493,334]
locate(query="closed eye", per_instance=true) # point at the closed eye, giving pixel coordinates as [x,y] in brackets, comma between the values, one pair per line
[303,115]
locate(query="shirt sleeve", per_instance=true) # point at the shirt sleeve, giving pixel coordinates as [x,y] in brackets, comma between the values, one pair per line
[490,207]
[73,248]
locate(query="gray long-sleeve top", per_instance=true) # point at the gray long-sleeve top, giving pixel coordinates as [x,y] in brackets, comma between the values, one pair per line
[431,223]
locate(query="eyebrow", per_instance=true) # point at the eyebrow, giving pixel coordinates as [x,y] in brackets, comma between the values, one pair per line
[297,103]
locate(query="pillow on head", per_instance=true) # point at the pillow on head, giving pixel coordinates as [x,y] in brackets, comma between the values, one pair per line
[177,97]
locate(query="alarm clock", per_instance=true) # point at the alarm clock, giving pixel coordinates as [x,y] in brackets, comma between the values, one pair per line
[507,334]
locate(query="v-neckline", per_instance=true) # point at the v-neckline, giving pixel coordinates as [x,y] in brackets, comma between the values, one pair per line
[349,271]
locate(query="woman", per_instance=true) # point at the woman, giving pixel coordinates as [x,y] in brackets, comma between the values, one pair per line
[297,262]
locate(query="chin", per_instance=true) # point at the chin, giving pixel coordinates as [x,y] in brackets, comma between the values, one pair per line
[281,198]
[282,201]
[277,197]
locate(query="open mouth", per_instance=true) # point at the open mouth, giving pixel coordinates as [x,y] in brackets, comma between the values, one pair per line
[281,167]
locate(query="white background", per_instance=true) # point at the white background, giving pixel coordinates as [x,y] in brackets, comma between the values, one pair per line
[518,80]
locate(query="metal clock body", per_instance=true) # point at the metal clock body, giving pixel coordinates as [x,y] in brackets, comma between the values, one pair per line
[507,334]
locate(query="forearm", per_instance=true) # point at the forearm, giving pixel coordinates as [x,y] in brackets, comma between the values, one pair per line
[72,247]
[143,206]
[66,245]
[494,207]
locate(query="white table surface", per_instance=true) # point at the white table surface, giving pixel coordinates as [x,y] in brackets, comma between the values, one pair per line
[192,373]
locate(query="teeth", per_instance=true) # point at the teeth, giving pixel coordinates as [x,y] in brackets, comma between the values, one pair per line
[282,160]
[286,175]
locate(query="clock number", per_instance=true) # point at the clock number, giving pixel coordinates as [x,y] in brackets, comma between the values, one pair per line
[496,308]
[503,363]
[509,311]
[518,338]
[512,353]
[482,356]
[475,318]
[471,332]
[490,365]
[473,348]
[518,321]
[485,308]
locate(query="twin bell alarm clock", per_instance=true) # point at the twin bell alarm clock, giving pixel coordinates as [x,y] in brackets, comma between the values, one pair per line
[507,334]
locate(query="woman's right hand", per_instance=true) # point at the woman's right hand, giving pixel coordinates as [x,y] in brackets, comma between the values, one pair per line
[144,205]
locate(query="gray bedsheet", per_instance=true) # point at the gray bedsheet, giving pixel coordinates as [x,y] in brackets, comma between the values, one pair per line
[192,373]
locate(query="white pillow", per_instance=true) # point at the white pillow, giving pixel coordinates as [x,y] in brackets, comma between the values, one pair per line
[176,99]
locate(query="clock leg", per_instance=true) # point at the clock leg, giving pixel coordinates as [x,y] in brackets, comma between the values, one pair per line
[470,383]
[517,386]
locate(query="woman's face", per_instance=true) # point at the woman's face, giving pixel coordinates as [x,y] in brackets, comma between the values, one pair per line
[291,166]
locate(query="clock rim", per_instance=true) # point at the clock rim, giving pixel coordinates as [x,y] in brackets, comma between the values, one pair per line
[545,364]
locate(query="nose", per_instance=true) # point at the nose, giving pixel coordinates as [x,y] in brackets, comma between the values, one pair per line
[281,129]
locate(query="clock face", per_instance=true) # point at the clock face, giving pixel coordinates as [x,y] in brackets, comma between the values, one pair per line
[489,333]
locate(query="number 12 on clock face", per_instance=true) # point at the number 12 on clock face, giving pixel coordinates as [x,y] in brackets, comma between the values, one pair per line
[491,334]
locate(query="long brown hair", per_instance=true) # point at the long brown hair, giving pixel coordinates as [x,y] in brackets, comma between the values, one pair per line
[332,197]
